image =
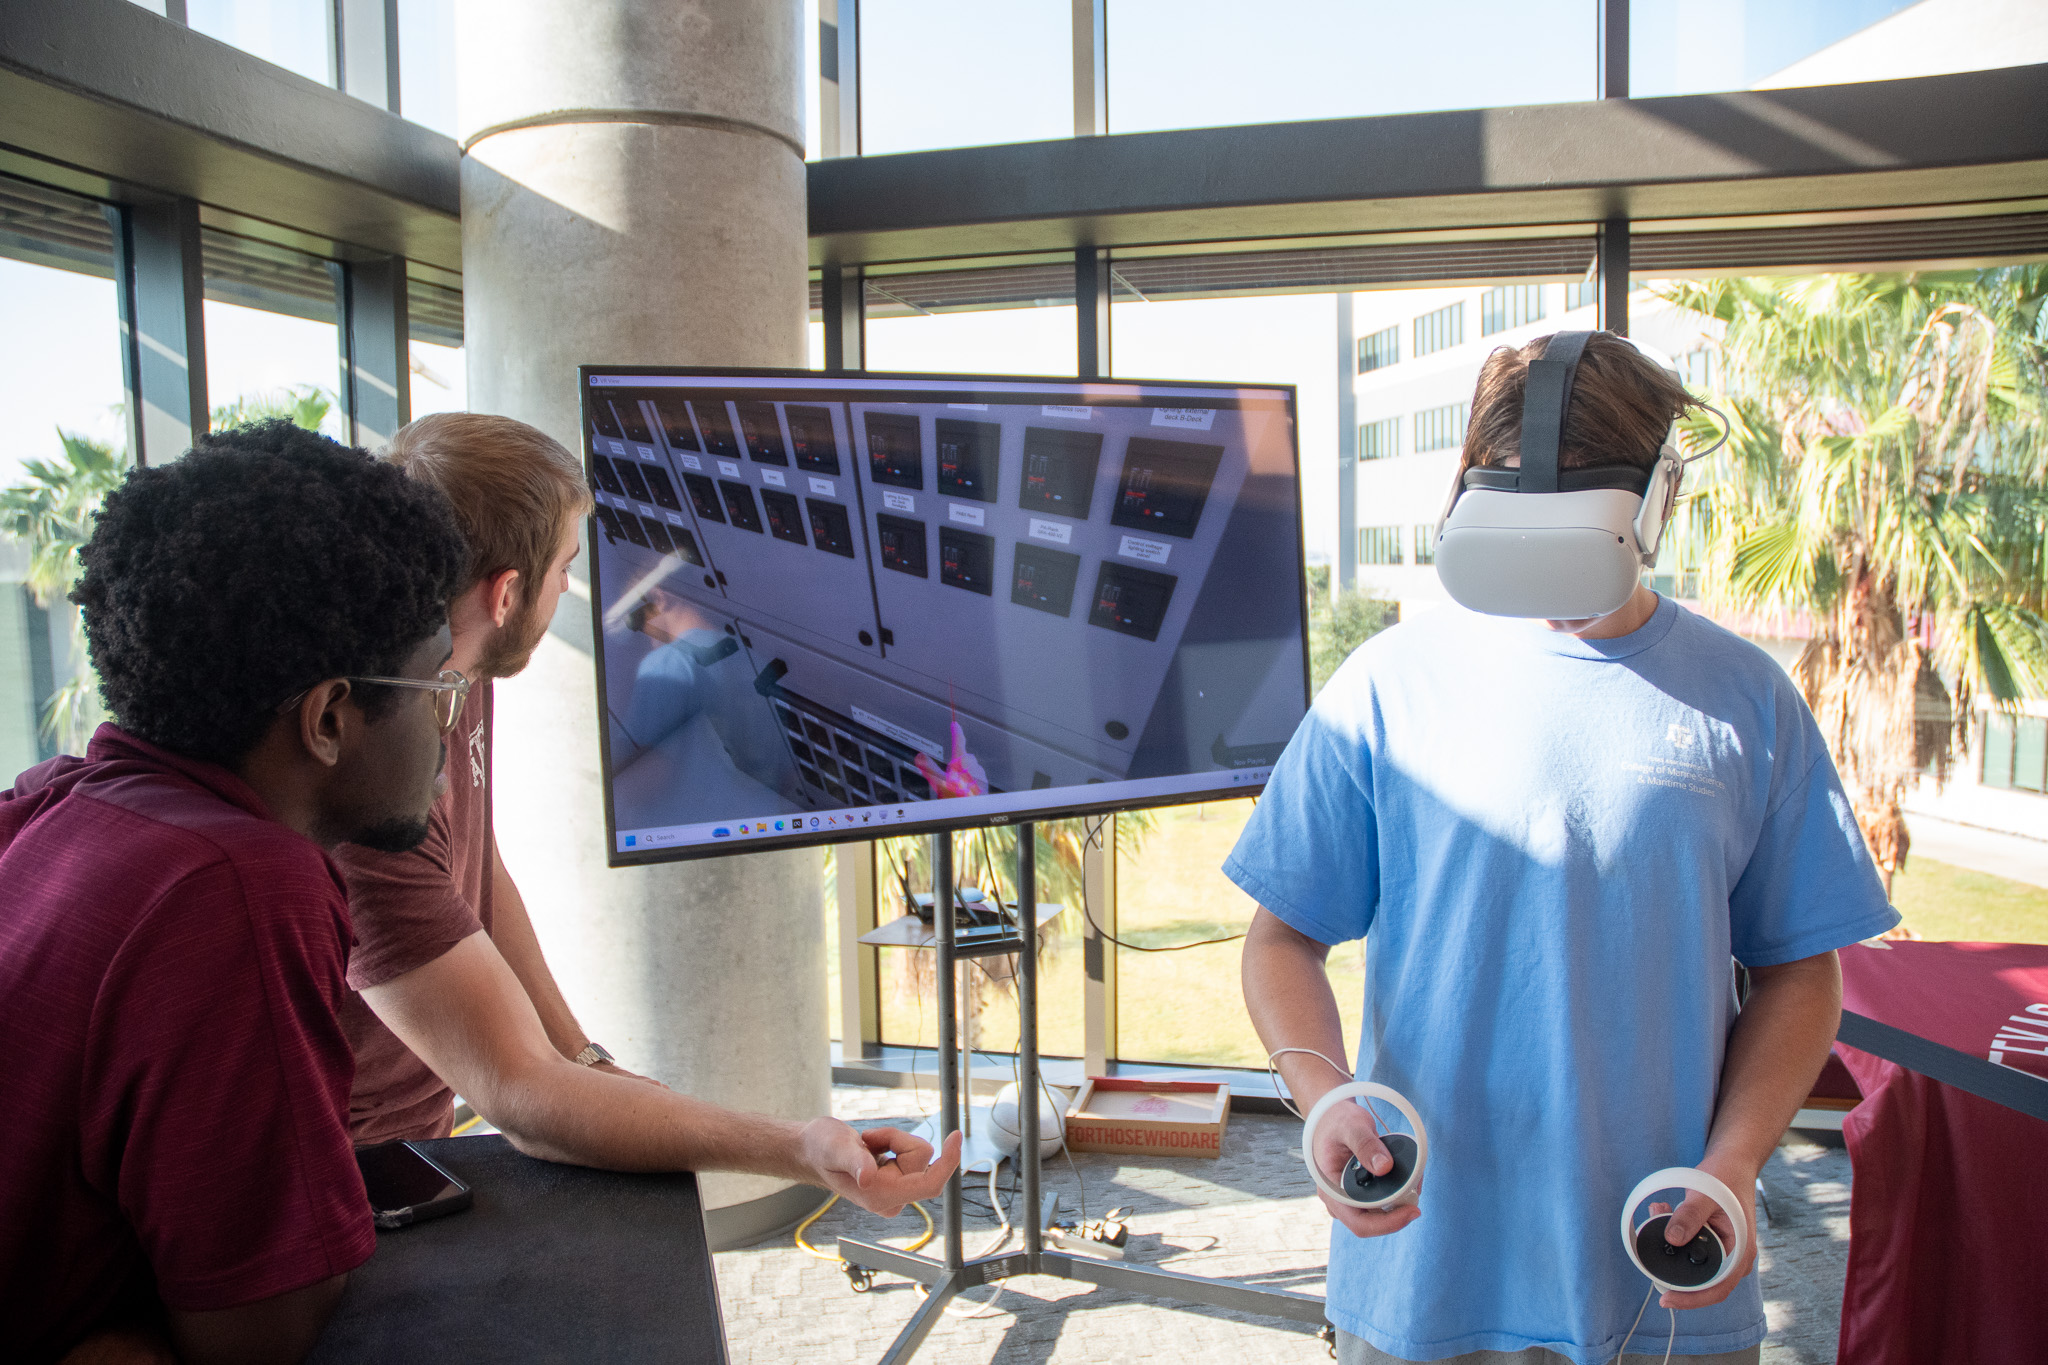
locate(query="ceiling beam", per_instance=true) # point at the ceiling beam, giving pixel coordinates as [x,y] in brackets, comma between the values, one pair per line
[141,106]
[1936,140]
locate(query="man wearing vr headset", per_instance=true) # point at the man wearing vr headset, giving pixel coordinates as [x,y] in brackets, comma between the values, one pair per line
[1558,812]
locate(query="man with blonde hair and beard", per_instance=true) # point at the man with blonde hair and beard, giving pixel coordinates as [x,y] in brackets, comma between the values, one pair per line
[451,991]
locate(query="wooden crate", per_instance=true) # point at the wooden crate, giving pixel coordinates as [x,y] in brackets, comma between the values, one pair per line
[1149,1118]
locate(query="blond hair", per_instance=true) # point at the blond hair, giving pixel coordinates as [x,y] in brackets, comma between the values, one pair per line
[515,490]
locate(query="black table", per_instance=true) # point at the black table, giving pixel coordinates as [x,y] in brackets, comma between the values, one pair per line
[553,1263]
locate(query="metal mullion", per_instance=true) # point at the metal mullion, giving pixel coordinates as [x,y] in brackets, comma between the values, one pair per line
[160,290]
[372,328]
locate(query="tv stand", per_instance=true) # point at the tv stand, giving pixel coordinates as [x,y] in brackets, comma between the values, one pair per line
[946,1275]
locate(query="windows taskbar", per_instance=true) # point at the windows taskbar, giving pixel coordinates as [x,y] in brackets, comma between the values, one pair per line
[996,808]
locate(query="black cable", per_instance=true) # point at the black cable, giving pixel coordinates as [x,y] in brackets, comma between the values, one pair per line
[1093,835]
[1140,948]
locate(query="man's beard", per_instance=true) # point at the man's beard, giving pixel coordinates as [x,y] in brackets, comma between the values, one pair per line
[512,648]
[399,834]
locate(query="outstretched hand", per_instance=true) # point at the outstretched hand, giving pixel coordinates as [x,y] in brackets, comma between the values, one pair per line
[1348,1130]
[882,1169]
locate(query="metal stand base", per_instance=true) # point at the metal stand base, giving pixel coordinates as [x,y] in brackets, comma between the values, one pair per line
[948,1275]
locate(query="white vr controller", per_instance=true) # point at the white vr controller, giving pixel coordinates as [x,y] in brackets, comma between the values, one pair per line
[1699,1264]
[1360,1188]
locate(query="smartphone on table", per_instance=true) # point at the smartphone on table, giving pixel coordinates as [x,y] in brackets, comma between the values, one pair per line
[407,1186]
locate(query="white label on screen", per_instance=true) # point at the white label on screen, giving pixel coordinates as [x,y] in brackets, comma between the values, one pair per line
[618,447]
[898,502]
[968,407]
[774,477]
[823,488]
[691,462]
[1079,414]
[729,468]
[1058,532]
[899,734]
[966,516]
[1151,551]
[644,452]
[674,519]
[1188,419]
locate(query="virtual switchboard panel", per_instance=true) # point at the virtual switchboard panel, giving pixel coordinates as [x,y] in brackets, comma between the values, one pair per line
[887,569]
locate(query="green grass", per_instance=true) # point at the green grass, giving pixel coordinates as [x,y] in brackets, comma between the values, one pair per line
[1187,1006]
[1949,904]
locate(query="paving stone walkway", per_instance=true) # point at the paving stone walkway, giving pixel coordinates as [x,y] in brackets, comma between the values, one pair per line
[1247,1215]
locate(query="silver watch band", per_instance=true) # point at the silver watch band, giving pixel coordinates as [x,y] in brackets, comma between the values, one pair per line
[592,1054]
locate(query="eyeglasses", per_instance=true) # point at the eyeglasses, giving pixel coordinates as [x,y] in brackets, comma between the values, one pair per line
[449,687]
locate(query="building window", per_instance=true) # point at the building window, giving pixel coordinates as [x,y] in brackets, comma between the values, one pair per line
[1379,350]
[2015,752]
[1511,305]
[1584,294]
[1440,428]
[1379,545]
[1425,545]
[1696,368]
[1441,329]
[1379,440]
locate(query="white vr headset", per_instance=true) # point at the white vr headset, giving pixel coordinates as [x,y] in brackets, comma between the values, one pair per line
[1538,541]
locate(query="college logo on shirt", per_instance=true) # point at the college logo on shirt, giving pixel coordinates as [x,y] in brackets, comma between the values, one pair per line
[1680,737]
[476,755]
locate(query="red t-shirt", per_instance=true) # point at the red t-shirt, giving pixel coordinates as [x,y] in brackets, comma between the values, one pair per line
[173,1077]
[409,908]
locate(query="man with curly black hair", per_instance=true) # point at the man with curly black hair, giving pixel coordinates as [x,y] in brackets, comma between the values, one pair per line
[268,617]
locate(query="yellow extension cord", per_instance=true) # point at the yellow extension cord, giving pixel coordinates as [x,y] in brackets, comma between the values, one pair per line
[805,1226]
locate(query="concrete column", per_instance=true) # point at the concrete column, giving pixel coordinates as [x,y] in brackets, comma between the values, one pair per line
[633,191]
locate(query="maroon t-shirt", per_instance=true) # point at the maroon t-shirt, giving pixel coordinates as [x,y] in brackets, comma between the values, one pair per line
[409,908]
[173,1078]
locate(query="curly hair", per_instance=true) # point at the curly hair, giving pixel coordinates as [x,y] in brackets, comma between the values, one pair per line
[265,560]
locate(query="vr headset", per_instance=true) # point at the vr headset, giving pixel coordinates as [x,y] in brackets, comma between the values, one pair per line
[1538,541]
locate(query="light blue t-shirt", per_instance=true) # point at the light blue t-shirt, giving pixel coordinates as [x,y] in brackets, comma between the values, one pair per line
[1554,846]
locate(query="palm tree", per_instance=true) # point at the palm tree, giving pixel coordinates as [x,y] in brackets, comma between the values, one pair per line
[51,512]
[1884,477]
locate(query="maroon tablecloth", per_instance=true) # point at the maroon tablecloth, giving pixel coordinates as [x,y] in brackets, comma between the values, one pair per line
[1948,1216]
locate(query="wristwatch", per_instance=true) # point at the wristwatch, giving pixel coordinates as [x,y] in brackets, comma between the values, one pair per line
[592,1054]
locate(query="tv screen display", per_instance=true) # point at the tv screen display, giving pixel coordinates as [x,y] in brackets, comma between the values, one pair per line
[833,607]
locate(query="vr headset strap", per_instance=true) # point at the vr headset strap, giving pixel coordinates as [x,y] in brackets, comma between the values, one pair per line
[1546,395]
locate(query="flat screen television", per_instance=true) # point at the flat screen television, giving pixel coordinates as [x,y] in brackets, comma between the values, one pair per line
[832,607]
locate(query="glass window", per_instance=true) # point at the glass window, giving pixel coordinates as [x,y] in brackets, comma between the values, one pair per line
[1441,428]
[1581,294]
[426,63]
[1511,305]
[1006,341]
[272,347]
[295,34]
[1997,754]
[1381,349]
[1425,544]
[1440,330]
[2030,754]
[934,73]
[1685,46]
[62,446]
[1697,368]
[440,374]
[1285,338]
[1206,63]
[1379,440]
[1187,1005]
[988,1015]
[1379,545]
